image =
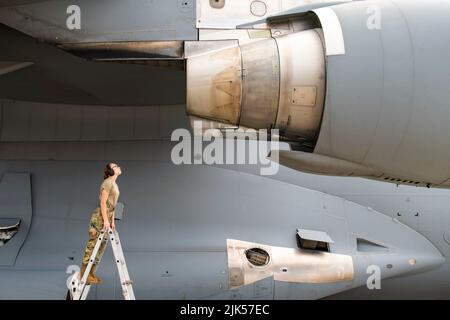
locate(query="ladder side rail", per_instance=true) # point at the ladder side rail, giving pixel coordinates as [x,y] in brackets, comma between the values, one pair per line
[119,263]
[122,257]
[127,280]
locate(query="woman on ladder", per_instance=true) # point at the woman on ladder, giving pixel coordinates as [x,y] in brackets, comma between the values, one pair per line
[102,219]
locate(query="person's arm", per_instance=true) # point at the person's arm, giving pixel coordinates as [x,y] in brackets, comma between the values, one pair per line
[106,225]
[113,222]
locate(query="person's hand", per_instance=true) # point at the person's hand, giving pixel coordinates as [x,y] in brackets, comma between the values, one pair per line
[113,226]
[106,226]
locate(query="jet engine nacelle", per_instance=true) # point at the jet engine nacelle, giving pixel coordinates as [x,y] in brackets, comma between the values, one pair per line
[362,93]
[273,83]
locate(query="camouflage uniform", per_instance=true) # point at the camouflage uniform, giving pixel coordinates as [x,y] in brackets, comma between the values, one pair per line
[96,222]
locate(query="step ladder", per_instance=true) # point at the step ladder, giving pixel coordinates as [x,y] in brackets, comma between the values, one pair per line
[79,289]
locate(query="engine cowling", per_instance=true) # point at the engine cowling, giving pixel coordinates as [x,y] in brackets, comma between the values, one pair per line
[275,83]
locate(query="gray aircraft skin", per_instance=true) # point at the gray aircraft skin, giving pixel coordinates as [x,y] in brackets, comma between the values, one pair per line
[186,228]
[177,219]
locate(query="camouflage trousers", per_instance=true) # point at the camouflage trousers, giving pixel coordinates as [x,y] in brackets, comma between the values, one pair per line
[95,227]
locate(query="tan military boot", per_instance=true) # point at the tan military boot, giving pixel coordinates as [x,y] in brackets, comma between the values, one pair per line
[93,278]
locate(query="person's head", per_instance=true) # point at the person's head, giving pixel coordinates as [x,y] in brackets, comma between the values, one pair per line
[111,169]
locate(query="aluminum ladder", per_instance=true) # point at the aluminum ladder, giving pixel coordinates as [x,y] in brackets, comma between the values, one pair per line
[79,289]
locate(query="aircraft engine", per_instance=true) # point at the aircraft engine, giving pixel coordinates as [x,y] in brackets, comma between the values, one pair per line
[275,83]
[360,90]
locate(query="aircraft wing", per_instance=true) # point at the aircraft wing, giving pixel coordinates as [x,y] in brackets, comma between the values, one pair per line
[35,71]
[11,3]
